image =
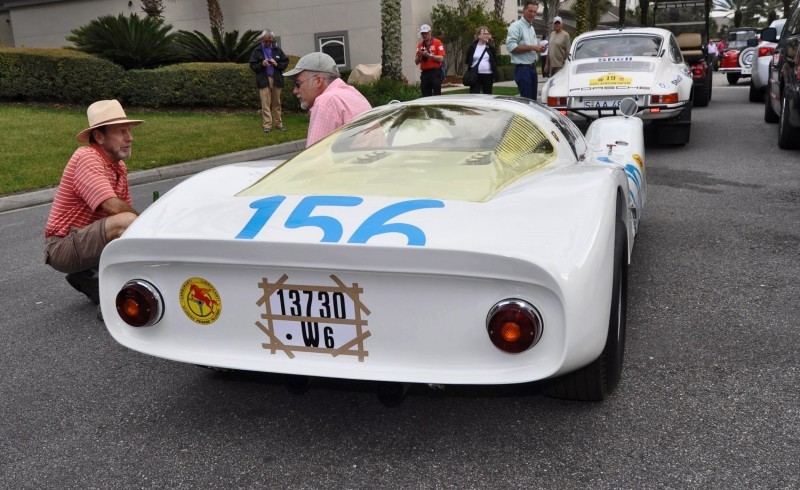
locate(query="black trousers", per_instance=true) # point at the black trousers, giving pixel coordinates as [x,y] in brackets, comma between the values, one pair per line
[430,82]
[483,85]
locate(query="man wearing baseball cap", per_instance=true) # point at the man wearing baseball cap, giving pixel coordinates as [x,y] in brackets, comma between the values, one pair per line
[92,205]
[331,103]
[558,48]
[429,57]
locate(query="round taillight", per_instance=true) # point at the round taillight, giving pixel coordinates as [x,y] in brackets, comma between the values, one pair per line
[139,304]
[514,325]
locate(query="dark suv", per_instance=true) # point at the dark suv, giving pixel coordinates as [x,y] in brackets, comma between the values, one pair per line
[783,100]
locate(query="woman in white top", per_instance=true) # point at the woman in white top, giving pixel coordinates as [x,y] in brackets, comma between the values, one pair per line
[483,54]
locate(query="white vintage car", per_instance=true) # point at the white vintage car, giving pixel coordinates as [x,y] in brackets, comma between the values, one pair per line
[645,64]
[448,240]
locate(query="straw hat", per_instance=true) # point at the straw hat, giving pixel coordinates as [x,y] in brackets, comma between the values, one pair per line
[102,113]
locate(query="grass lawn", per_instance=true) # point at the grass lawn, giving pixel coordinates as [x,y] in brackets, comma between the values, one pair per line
[38,141]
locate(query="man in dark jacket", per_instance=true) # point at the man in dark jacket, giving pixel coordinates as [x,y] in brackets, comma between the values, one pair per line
[268,62]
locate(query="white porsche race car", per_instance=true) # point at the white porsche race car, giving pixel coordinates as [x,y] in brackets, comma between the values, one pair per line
[645,64]
[447,240]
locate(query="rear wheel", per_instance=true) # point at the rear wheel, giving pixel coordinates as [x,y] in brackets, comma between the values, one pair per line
[756,95]
[678,130]
[598,380]
[787,135]
[733,77]
[770,115]
[702,94]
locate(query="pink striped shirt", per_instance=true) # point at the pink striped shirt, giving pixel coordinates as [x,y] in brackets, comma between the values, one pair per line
[336,106]
[88,180]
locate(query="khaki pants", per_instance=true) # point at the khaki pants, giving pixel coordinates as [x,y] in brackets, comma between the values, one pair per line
[79,250]
[271,105]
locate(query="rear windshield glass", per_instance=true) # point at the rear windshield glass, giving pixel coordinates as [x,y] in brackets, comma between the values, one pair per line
[443,151]
[610,46]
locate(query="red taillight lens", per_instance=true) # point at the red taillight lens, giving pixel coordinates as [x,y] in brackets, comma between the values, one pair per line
[557,101]
[139,304]
[765,51]
[664,99]
[514,325]
[697,71]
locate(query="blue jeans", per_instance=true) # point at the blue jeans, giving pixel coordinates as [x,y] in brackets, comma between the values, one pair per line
[527,80]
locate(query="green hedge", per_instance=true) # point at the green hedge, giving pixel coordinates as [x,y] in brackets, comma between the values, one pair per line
[59,75]
[65,75]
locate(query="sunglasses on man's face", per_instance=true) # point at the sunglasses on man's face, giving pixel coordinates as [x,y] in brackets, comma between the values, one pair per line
[297,83]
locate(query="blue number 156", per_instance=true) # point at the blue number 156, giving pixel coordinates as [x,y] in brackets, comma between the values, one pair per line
[331,228]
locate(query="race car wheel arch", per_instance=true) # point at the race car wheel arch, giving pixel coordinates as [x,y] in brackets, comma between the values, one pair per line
[599,379]
[788,136]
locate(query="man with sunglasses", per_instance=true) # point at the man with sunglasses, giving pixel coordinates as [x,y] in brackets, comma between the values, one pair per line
[330,102]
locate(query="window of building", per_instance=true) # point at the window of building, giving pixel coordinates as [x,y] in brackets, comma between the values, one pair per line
[335,45]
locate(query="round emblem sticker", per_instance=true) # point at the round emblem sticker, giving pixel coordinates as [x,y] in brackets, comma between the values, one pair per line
[200,301]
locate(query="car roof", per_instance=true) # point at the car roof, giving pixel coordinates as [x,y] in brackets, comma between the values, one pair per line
[628,30]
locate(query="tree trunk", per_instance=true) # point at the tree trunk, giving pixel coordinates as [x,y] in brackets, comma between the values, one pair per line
[215,15]
[391,40]
[153,8]
[623,5]
[579,9]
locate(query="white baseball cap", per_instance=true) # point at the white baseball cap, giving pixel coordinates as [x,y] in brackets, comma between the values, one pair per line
[424,28]
[556,19]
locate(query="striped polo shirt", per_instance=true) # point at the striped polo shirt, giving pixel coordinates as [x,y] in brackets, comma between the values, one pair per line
[89,179]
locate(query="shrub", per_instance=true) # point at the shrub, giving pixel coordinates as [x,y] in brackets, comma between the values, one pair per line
[62,75]
[132,42]
[219,48]
[386,90]
[503,59]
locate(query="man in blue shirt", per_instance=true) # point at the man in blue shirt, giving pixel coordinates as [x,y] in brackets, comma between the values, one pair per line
[523,46]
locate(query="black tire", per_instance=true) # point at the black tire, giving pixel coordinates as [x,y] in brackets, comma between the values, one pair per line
[787,135]
[676,132]
[599,379]
[733,77]
[756,95]
[702,94]
[770,115]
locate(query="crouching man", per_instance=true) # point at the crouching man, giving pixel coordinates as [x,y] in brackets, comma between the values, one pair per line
[92,205]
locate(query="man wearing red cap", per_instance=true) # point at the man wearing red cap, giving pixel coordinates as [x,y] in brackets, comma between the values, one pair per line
[93,203]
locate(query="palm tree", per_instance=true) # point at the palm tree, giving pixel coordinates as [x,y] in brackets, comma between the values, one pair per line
[579,10]
[743,11]
[391,40]
[215,15]
[153,8]
[499,6]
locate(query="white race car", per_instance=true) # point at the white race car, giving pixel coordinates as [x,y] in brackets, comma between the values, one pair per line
[448,240]
[645,64]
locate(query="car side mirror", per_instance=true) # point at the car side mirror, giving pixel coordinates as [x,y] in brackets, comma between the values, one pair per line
[752,42]
[769,34]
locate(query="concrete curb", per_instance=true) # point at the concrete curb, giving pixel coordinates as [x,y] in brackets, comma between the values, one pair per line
[283,150]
